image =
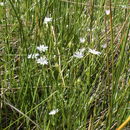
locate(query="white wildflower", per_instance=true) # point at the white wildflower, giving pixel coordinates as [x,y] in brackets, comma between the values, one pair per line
[1,3]
[42,48]
[107,12]
[42,61]
[53,112]
[33,56]
[82,40]
[78,54]
[94,52]
[46,20]
[104,46]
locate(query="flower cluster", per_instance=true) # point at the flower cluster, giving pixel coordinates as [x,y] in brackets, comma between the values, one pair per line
[80,53]
[44,61]
[41,60]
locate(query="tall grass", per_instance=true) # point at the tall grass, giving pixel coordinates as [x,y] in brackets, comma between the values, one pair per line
[91,92]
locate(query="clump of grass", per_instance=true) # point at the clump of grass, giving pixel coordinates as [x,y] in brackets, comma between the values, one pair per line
[79,79]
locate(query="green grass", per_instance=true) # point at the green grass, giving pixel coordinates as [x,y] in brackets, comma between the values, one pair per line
[90,93]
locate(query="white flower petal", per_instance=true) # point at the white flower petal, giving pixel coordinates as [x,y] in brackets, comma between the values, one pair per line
[42,61]
[82,40]
[46,20]
[94,52]
[107,12]
[53,112]
[78,55]
[33,56]
[42,48]
[104,46]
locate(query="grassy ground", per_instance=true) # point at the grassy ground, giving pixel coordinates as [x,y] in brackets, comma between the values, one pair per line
[91,92]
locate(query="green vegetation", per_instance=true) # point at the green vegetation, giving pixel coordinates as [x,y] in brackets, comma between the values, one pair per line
[84,75]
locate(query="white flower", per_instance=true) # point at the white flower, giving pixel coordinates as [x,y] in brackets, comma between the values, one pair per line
[94,51]
[104,46]
[82,40]
[53,112]
[42,48]
[1,3]
[46,20]
[33,56]
[78,54]
[107,12]
[42,61]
